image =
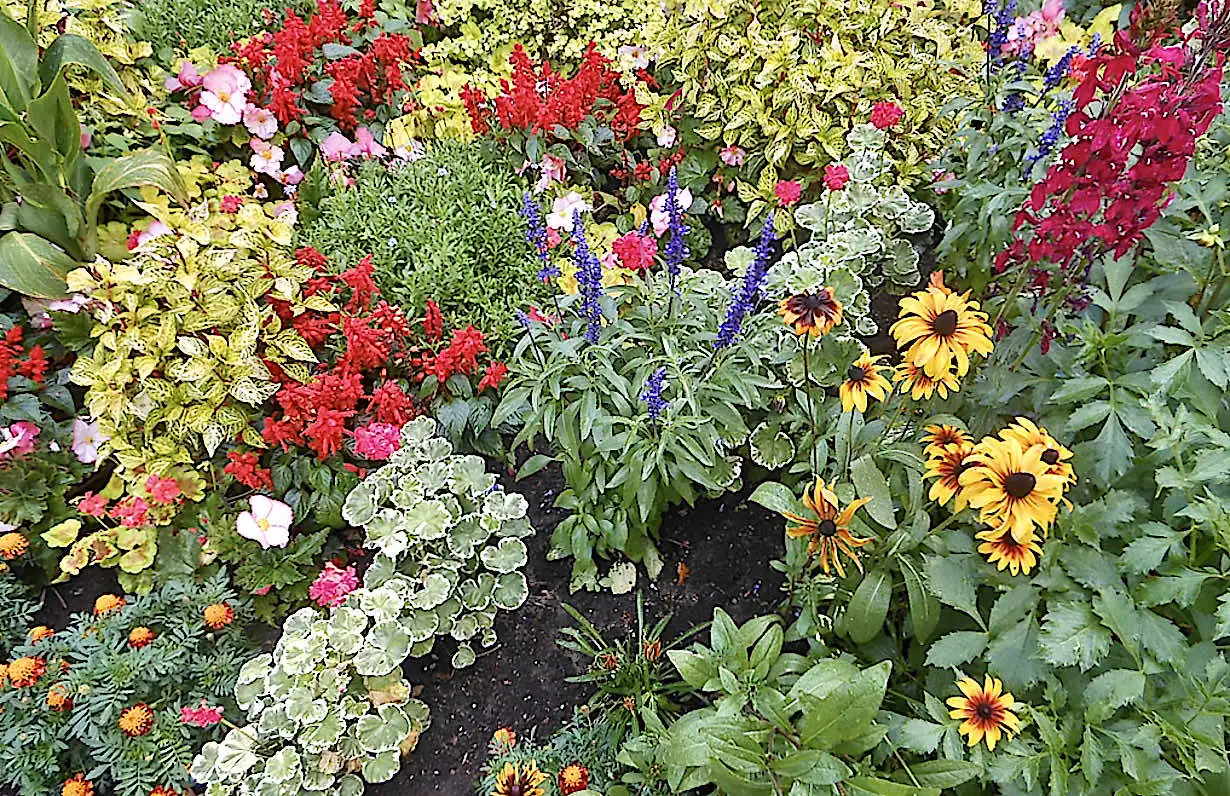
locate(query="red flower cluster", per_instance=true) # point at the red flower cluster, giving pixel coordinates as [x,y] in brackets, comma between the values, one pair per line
[283,65]
[1139,109]
[539,99]
[375,367]
[34,366]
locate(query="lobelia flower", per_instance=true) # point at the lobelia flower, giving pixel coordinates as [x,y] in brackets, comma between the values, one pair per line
[745,300]
[260,122]
[565,209]
[331,586]
[732,155]
[225,93]
[266,158]
[268,522]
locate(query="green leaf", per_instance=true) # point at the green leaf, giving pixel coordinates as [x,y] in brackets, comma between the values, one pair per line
[845,712]
[868,607]
[953,580]
[145,167]
[924,608]
[870,483]
[1112,690]
[956,648]
[70,49]
[939,773]
[1073,636]
[874,786]
[811,766]
[18,63]
[533,465]
[32,266]
[775,497]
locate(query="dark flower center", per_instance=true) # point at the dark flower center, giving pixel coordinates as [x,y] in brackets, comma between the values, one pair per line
[984,710]
[855,373]
[1050,456]
[827,528]
[1018,485]
[813,304]
[945,324]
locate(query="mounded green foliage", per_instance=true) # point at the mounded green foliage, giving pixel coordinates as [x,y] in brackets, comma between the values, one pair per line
[172,26]
[445,227]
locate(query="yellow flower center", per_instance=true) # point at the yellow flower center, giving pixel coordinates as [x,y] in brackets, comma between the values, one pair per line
[263,524]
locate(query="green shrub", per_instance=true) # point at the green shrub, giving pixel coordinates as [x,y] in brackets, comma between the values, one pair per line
[445,227]
[172,26]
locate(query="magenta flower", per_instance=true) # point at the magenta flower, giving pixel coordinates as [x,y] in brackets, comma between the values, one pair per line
[203,716]
[331,586]
[377,441]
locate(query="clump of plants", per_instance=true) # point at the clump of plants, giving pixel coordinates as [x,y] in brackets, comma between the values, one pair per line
[118,700]
[577,760]
[326,711]
[447,541]
[466,247]
[174,27]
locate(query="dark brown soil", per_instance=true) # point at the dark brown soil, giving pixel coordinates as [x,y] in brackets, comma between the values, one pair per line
[726,544]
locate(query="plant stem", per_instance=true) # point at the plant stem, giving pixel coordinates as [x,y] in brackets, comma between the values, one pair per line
[811,405]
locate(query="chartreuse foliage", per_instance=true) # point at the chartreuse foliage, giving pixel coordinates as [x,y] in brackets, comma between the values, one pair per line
[329,705]
[92,663]
[785,80]
[447,541]
[623,468]
[54,226]
[774,723]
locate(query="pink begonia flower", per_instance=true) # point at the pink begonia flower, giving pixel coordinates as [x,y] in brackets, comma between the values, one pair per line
[666,138]
[658,216]
[732,155]
[156,229]
[336,146]
[19,439]
[225,93]
[554,169]
[266,158]
[292,176]
[260,121]
[424,13]
[39,309]
[86,441]
[201,114]
[331,586]
[187,77]
[268,522]
[377,441]
[262,591]
[203,716]
[562,210]
[553,238]
[87,137]
[366,145]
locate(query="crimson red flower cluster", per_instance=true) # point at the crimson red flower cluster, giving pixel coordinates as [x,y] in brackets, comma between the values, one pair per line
[33,366]
[377,367]
[1138,110]
[539,99]
[283,64]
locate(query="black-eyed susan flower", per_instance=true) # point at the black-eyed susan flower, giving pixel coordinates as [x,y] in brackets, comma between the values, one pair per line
[136,720]
[946,466]
[986,711]
[25,671]
[863,379]
[936,328]
[938,436]
[519,779]
[1011,488]
[1002,549]
[503,740]
[219,615]
[828,529]
[1054,455]
[915,381]
[572,778]
[813,312]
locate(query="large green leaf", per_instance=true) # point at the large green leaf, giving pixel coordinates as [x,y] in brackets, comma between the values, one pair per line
[18,62]
[32,266]
[70,49]
[54,120]
[146,167]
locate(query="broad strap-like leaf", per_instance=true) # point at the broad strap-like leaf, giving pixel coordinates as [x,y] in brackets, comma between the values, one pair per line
[18,63]
[71,49]
[145,167]
[32,266]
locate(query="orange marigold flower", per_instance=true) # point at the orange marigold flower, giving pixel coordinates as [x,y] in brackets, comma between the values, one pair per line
[219,615]
[4,674]
[77,785]
[139,636]
[136,720]
[164,790]
[39,633]
[24,672]
[58,697]
[572,778]
[108,602]
[13,544]
[503,739]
